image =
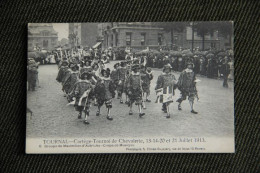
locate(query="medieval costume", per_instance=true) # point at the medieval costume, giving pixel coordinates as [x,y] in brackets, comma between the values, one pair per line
[166,83]
[83,91]
[114,75]
[62,71]
[146,76]
[121,80]
[187,86]
[225,71]
[32,74]
[71,80]
[104,92]
[134,90]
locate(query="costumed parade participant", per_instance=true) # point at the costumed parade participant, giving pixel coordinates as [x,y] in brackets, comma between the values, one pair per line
[104,92]
[32,74]
[121,81]
[187,86]
[145,84]
[114,75]
[71,80]
[146,76]
[83,91]
[225,71]
[63,73]
[134,90]
[165,86]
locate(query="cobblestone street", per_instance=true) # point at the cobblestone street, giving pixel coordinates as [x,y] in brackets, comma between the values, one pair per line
[52,118]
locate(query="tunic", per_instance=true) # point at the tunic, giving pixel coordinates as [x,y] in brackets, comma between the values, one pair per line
[121,76]
[78,90]
[146,80]
[166,83]
[61,73]
[134,88]
[70,81]
[105,91]
[186,82]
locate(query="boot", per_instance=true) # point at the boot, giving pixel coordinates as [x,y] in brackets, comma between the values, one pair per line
[179,107]
[141,114]
[109,118]
[79,115]
[147,100]
[194,112]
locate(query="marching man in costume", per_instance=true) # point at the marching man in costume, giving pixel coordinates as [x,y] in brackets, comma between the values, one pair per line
[83,92]
[146,80]
[166,83]
[187,86]
[63,68]
[114,75]
[121,80]
[71,80]
[134,89]
[104,92]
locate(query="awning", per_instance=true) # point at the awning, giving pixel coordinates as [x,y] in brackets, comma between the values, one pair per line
[96,45]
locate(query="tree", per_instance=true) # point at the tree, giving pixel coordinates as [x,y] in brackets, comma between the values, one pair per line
[225,29]
[171,27]
[204,28]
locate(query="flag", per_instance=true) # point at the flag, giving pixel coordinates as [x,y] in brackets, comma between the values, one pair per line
[168,96]
[159,94]
[85,95]
[72,103]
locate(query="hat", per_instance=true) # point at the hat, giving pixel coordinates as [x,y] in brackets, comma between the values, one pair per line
[136,66]
[190,63]
[64,63]
[122,63]
[167,66]
[84,73]
[149,69]
[116,65]
[72,65]
[105,70]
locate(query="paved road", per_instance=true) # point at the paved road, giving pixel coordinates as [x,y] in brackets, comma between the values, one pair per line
[52,118]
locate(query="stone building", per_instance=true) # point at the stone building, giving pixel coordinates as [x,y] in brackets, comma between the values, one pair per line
[184,40]
[42,36]
[137,35]
[83,34]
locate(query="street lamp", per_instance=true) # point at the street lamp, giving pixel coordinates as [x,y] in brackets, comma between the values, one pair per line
[192,41]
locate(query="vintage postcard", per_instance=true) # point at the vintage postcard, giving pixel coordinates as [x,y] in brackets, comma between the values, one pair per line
[139,87]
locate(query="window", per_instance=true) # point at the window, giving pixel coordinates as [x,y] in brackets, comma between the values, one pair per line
[116,39]
[160,37]
[45,33]
[128,39]
[143,39]
[112,40]
[213,45]
[45,43]
[107,40]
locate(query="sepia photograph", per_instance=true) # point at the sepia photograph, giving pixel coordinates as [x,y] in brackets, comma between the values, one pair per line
[139,87]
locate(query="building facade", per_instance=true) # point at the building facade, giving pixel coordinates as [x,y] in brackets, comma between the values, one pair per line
[137,35]
[83,34]
[184,40]
[42,36]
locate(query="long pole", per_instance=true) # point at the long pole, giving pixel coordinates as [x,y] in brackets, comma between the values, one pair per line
[192,43]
